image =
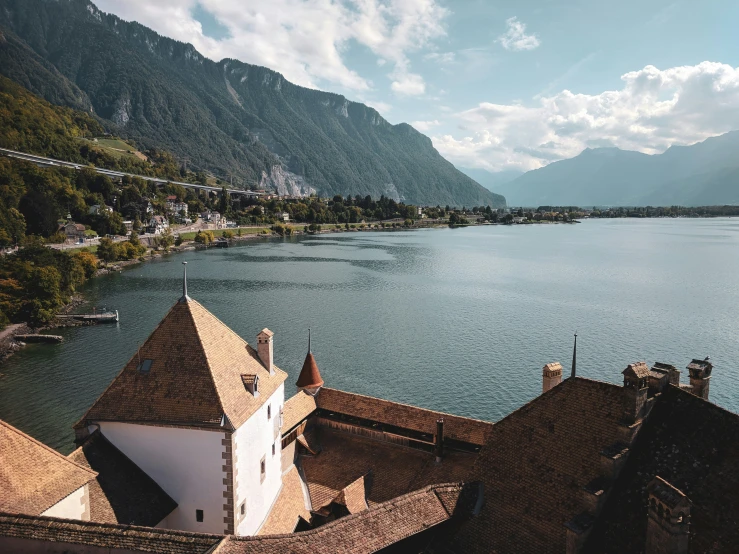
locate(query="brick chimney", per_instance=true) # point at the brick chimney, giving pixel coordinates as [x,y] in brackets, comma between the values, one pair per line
[668,519]
[439,439]
[635,391]
[551,376]
[265,349]
[700,377]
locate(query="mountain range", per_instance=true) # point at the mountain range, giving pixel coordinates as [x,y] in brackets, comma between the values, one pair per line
[705,173]
[233,119]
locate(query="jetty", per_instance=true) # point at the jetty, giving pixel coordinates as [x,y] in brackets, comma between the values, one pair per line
[38,338]
[102,317]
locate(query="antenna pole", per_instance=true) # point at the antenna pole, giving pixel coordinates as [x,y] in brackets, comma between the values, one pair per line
[309,339]
[574,357]
[184,298]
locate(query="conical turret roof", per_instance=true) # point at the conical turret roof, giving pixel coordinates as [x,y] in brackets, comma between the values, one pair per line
[310,377]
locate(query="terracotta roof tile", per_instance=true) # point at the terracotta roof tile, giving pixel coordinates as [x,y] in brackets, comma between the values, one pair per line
[535,465]
[353,496]
[121,492]
[33,477]
[309,375]
[395,469]
[363,533]
[289,506]
[639,369]
[402,415]
[122,537]
[296,409]
[195,375]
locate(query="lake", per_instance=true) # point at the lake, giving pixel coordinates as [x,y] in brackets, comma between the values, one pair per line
[457,320]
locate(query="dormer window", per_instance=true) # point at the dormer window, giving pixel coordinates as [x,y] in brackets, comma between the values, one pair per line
[144,367]
[251,383]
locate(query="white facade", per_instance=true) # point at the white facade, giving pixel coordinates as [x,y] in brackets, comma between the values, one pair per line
[186,463]
[253,441]
[74,506]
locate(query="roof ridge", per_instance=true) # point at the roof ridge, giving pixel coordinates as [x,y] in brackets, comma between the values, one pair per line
[189,304]
[402,499]
[48,448]
[565,383]
[99,526]
[407,405]
[79,423]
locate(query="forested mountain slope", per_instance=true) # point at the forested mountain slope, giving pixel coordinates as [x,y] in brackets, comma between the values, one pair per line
[227,117]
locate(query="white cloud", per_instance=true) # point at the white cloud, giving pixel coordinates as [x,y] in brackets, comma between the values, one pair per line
[653,110]
[305,40]
[407,84]
[515,37]
[425,126]
[441,57]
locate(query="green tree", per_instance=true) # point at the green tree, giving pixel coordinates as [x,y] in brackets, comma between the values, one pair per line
[107,250]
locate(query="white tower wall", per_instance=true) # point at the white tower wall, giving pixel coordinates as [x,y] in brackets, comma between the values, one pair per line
[186,463]
[252,442]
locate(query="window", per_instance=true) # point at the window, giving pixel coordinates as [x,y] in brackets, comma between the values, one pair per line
[144,367]
[269,411]
[243,508]
[262,468]
[199,516]
[273,449]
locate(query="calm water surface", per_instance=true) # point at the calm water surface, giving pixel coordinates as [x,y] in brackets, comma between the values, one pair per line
[455,320]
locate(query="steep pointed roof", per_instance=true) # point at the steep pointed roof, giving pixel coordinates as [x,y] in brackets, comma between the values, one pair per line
[309,375]
[191,368]
[33,477]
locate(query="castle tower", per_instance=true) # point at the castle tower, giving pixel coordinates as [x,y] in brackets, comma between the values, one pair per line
[310,378]
[198,410]
[668,522]
[551,376]
[700,377]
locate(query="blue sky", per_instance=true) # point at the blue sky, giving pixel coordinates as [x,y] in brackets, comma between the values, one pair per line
[496,85]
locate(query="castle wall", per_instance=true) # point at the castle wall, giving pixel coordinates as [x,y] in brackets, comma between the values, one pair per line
[253,442]
[74,506]
[186,463]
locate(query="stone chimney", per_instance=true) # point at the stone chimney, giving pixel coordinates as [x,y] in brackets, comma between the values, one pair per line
[265,349]
[635,391]
[668,519]
[551,376]
[700,377]
[439,439]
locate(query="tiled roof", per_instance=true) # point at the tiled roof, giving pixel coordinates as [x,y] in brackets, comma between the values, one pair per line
[639,369]
[33,477]
[694,446]
[535,465]
[367,531]
[402,415]
[121,493]
[309,375]
[396,470]
[296,409]
[289,506]
[353,496]
[124,537]
[195,375]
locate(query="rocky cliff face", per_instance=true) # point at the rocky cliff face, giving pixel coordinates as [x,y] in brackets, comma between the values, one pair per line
[227,117]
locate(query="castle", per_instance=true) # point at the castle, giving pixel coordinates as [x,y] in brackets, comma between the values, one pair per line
[193,449]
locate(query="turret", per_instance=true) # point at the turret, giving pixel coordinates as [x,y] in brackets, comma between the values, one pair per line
[310,378]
